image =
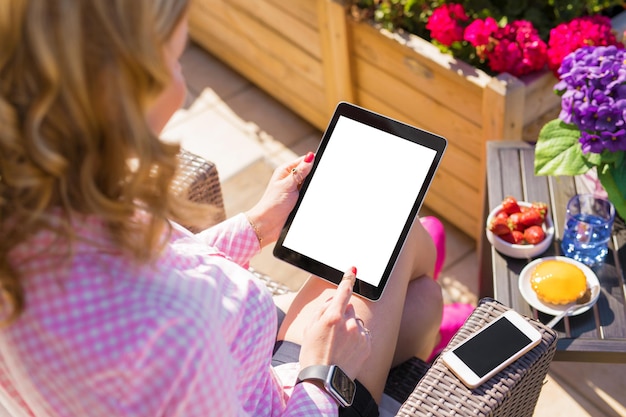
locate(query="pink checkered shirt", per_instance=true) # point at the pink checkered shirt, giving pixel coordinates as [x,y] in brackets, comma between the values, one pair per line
[190,335]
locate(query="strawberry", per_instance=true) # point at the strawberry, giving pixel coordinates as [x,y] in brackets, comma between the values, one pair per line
[514,237]
[507,237]
[541,207]
[499,226]
[510,206]
[502,215]
[518,237]
[531,217]
[534,235]
[515,222]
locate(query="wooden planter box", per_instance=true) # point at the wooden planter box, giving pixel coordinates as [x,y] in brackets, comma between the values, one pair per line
[309,55]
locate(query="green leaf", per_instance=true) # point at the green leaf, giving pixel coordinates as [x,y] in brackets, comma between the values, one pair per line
[613,179]
[619,175]
[558,152]
[614,158]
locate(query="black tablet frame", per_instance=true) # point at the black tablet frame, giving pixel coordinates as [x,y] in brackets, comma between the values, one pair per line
[385,124]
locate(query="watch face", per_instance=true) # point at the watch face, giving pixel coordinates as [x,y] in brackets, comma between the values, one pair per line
[342,385]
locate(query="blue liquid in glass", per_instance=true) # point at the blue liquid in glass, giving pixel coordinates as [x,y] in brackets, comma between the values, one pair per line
[585,238]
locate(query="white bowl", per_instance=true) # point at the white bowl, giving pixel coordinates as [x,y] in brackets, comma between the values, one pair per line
[520,251]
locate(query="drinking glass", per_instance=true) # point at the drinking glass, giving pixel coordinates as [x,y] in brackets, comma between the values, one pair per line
[588,224]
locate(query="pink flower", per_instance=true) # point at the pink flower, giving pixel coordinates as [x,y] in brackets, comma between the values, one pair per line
[516,49]
[581,31]
[479,31]
[445,23]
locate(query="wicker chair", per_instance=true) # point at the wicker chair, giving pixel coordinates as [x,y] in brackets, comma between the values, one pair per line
[421,388]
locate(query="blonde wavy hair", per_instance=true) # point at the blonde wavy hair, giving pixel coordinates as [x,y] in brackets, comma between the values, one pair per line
[76,79]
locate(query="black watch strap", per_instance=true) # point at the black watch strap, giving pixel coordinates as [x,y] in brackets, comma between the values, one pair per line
[334,380]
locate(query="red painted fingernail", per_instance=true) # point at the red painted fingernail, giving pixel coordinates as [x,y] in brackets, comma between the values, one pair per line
[309,157]
[353,269]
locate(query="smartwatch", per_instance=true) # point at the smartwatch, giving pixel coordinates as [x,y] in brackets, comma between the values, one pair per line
[335,381]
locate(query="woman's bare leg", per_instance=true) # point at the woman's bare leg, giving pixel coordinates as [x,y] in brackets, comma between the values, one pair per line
[407,315]
[421,319]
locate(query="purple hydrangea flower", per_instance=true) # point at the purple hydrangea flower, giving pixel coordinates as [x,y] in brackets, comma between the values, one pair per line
[620,105]
[585,116]
[590,142]
[614,141]
[593,96]
[606,118]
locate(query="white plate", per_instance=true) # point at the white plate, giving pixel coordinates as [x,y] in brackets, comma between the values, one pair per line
[531,297]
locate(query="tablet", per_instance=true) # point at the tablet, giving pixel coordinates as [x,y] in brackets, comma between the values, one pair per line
[356,207]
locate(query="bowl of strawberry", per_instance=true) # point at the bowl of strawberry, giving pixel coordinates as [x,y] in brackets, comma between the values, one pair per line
[520,229]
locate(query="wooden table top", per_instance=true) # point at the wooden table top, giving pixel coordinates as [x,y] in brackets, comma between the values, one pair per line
[598,335]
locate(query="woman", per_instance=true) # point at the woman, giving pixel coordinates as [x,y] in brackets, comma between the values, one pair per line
[109,307]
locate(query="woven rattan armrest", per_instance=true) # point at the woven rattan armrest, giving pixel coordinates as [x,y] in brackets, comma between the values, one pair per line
[198,180]
[511,393]
[421,388]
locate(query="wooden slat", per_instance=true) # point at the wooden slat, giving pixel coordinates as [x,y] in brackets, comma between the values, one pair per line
[580,350]
[304,10]
[503,108]
[454,200]
[304,34]
[535,188]
[530,133]
[254,43]
[455,214]
[262,69]
[421,73]
[462,166]
[336,54]
[540,96]
[510,173]
[456,193]
[617,327]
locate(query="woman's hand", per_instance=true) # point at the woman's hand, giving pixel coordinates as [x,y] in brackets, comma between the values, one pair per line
[269,215]
[335,335]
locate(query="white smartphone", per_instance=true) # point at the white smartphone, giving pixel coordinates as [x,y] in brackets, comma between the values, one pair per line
[491,349]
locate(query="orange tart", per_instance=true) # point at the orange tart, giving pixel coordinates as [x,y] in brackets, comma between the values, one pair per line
[558,282]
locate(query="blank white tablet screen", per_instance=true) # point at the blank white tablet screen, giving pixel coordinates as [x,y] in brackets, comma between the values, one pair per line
[359,199]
